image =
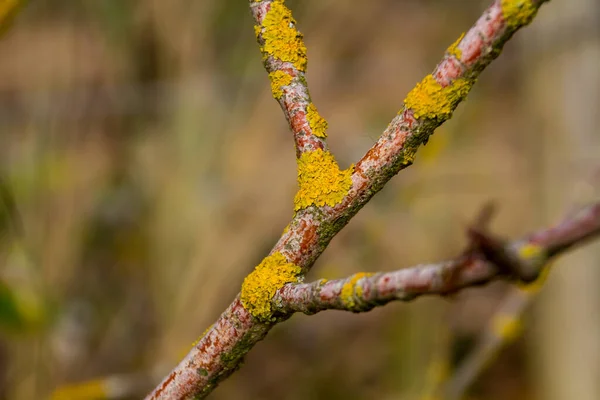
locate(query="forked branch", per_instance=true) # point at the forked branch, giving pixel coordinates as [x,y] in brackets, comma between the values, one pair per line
[329,197]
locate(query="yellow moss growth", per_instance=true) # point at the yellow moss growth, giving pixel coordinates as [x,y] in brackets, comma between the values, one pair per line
[282,40]
[430,100]
[320,180]
[518,12]
[454,50]
[260,285]
[278,80]
[350,289]
[507,327]
[316,122]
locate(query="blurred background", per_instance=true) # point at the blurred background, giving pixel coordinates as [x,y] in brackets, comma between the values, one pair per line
[145,169]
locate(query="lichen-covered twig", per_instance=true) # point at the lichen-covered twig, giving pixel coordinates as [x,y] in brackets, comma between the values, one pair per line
[363,291]
[329,197]
[284,55]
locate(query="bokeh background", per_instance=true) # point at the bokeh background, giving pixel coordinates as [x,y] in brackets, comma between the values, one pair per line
[145,170]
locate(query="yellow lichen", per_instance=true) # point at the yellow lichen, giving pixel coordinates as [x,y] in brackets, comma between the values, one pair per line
[278,80]
[257,30]
[507,327]
[536,285]
[281,38]
[518,12]
[529,251]
[316,122]
[454,50]
[320,180]
[430,100]
[350,289]
[260,285]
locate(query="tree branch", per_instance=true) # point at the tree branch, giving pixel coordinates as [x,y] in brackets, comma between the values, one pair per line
[284,56]
[321,212]
[363,291]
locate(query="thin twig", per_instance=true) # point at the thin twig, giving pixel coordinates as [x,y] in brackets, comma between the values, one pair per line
[287,74]
[363,291]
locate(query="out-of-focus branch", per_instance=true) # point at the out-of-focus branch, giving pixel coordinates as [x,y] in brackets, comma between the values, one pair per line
[503,328]
[363,291]
[328,198]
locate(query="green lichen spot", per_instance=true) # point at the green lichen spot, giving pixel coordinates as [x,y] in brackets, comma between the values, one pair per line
[260,285]
[320,180]
[350,290]
[432,101]
[454,50]
[278,80]
[316,122]
[281,38]
[518,12]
